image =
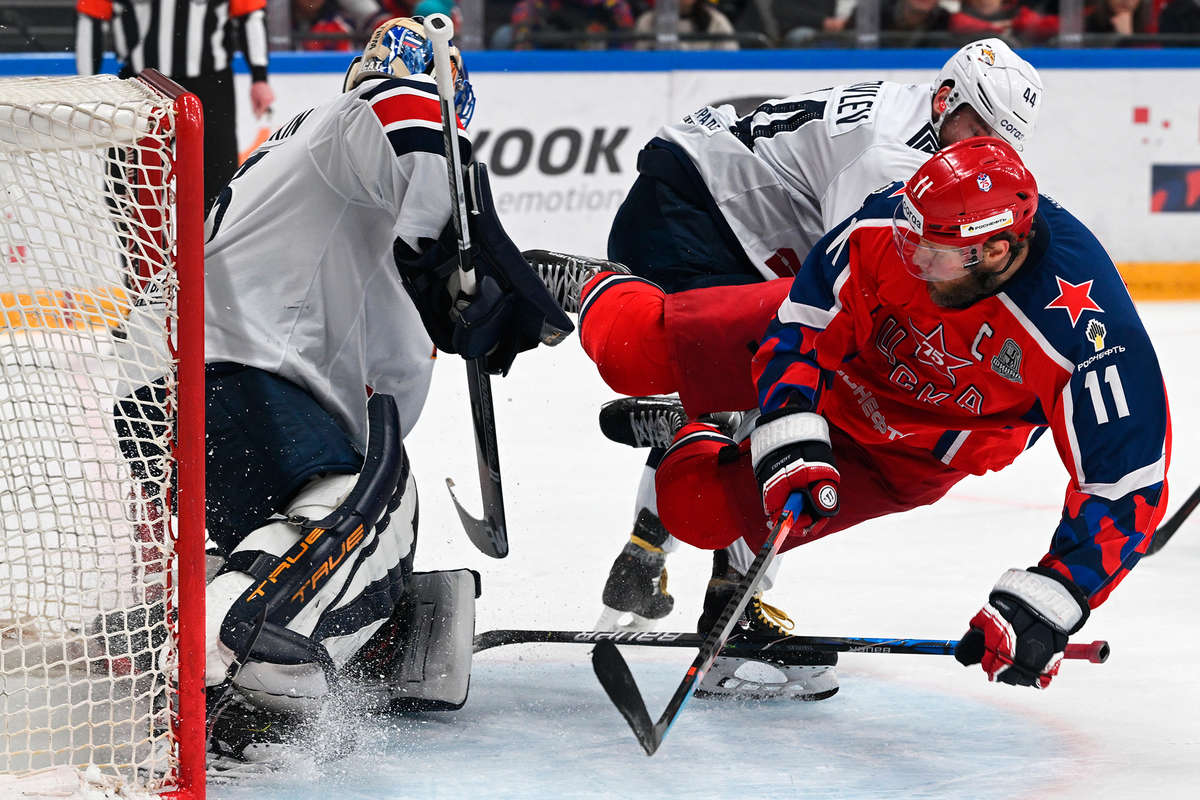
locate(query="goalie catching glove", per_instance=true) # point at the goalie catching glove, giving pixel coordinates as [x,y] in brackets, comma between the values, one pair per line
[511,310]
[1021,634]
[793,462]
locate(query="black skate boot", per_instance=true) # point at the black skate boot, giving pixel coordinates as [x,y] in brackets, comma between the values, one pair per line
[803,677]
[642,421]
[247,739]
[565,274]
[635,594]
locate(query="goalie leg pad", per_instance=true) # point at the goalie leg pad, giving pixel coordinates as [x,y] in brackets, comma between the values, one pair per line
[434,672]
[421,660]
[298,598]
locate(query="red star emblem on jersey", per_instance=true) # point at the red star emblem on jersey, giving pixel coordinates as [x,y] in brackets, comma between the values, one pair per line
[931,351]
[1074,299]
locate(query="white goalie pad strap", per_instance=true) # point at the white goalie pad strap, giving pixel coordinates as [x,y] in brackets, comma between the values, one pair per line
[804,426]
[1046,596]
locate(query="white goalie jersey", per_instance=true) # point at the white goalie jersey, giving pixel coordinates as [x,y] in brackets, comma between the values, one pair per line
[795,167]
[300,278]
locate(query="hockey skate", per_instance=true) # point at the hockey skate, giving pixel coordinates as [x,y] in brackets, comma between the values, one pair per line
[807,677]
[653,421]
[565,274]
[635,594]
[245,739]
[642,421]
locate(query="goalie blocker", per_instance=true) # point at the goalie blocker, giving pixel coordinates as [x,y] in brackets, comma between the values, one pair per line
[324,594]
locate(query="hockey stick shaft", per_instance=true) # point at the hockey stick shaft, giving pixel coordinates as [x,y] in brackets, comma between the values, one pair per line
[760,647]
[439,30]
[618,682]
[1168,528]
[489,535]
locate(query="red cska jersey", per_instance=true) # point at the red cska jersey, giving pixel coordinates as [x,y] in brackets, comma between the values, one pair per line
[1060,347]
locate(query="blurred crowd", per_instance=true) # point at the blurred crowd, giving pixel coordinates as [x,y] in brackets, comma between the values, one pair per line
[734,24]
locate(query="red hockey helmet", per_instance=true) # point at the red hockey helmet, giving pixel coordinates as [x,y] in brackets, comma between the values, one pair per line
[961,197]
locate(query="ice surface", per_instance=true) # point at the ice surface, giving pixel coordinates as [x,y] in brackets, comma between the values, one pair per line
[537,723]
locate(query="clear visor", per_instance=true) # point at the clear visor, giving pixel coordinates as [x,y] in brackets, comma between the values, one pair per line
[927,260]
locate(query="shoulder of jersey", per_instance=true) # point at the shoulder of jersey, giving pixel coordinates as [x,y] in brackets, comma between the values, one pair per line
[410,114]
[400,99]
[883,109]
[881,203]
[1074,293]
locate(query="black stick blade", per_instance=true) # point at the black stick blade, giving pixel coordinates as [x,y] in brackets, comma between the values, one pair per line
[614,675]
[488,536]
[1168,528]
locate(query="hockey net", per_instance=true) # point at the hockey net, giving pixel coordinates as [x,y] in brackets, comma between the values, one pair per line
[101,438]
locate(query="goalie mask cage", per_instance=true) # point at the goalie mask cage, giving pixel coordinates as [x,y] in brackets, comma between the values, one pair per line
[101,438]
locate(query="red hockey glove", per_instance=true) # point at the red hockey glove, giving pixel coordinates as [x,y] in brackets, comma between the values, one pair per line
[1020,635]
[794,465]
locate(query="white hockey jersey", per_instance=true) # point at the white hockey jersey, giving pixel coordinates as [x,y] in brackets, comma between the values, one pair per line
[300,279]
[794,168]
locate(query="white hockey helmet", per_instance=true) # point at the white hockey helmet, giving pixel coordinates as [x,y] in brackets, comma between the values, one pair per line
[398,48]
[996,83]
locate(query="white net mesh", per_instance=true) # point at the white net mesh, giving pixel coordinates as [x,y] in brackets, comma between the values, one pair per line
[87,307]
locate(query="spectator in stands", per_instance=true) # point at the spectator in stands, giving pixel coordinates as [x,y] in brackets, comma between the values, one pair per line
[1115,16]
[695,16]
[425,8]
[1180,16]
[533,17]
[325,17]
[907,20]
[787,22]
[1005,18]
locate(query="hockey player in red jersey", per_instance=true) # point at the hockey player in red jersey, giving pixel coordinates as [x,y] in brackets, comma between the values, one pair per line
[738,202]
[934,334]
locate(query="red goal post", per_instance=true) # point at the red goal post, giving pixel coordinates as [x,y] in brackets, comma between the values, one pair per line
[101,437]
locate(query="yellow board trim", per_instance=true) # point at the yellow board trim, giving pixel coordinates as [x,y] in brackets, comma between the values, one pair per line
[108,307]
[1162,280]
[61,309]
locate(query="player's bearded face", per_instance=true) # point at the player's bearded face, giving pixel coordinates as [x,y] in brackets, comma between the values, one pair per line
[980,281]
[965,291]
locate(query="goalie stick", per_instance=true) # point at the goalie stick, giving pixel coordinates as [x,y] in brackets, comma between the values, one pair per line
[488,534]
[622,689]
[764,648]
[1168,528]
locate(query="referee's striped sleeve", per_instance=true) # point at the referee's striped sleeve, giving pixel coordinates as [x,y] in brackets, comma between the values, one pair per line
[251,16]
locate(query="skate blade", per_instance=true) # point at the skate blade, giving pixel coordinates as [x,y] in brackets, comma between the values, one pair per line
[624,622]
[260,758]
[741,679]
[765,694]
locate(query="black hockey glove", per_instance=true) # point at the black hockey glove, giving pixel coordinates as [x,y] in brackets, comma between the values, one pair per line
[511,310]
[1021,634]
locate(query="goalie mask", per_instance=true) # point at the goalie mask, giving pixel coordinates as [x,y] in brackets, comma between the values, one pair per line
[1003,88]
[961,197]
[398,48]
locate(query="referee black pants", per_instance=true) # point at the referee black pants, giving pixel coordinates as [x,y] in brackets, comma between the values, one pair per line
[220,129]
